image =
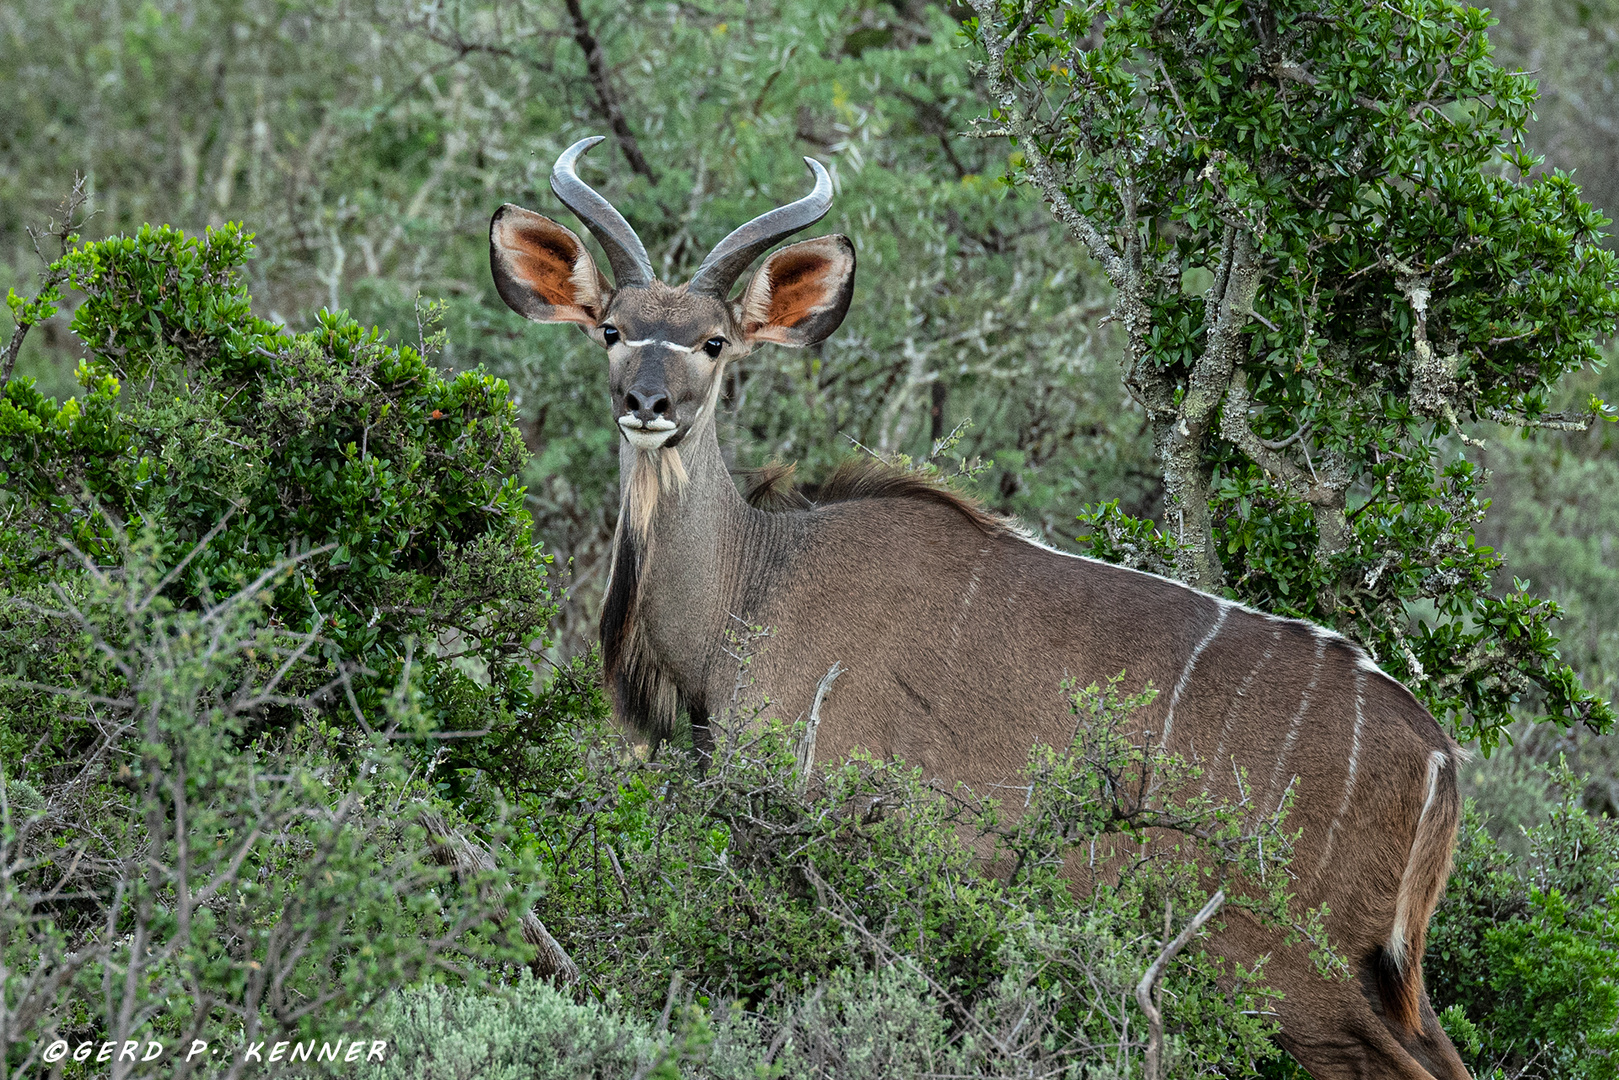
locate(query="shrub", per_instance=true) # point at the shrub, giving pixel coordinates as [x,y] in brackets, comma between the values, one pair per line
[182,878]
[1330,248]
[1523,956]
[251,583]
[749,884]
[387,484]
[528,1031]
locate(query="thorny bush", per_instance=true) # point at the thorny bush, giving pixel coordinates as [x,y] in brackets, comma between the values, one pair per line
[182,877]
[750,884]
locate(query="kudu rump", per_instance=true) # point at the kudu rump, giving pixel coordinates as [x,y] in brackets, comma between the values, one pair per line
[956,630]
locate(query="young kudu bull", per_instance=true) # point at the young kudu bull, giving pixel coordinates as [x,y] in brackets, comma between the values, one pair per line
[956,630]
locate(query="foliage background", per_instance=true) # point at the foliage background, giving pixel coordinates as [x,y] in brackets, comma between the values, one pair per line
[366,145]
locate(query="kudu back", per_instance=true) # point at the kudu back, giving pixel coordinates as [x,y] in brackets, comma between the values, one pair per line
[955,630]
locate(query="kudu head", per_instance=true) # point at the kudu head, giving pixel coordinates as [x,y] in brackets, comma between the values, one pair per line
[667,345]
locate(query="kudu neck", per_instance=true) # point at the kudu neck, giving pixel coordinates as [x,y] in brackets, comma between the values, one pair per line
[690,553]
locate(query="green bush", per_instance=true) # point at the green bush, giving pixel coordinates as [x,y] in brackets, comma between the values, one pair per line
[1329,248]
[252,586]
[750,884]
[1523,956]
[183,878]
[528,1031]
[388,485]
[856,1026]
[778,924]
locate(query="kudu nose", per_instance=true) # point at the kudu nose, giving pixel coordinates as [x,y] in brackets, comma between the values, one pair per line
[648,404]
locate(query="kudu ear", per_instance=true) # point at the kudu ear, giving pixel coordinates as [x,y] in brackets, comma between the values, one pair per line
[801,294]
[542,269]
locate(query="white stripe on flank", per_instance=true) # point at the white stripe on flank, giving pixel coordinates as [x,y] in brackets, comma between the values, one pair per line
[1398,942]
[1354,766]
[1186,674]
[967,600]
[1242,691]
[1022,533]
[1297,723]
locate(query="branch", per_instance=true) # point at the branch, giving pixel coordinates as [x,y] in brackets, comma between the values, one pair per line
[12,349]
[596,64]
[1147,988]
[1563,421]
[29,313]
[1180,443]
[1234,428]
[1292,71]
[1326,494]
[468,861]
[807,753]
[1433,374]
[1045,174]
[1227,335]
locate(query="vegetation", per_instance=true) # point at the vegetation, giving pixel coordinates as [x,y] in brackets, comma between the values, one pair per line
[167,875]
[1325,258]
[278,632]
[1523,951]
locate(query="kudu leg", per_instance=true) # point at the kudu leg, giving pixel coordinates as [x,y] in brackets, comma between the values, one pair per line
[1327,1023]
[1331,1030]
[1432,1047]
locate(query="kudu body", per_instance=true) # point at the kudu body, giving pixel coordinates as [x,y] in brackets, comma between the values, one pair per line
[956,631]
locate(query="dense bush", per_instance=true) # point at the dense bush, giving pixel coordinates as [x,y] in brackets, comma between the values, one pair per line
[1329,247]
[750,884]
[168,875]
[383,486]
[252,586]
[855,1025]
[1523,954]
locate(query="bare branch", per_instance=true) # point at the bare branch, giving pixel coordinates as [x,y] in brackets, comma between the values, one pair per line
[1292,71]
[1147,988]
[806,757]
[601,80]
[63,227]
[469,861]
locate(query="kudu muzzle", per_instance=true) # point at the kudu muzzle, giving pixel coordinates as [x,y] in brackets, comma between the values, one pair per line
[648,409]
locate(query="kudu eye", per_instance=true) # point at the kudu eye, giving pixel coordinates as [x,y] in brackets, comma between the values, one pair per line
[610,335]
[713,346]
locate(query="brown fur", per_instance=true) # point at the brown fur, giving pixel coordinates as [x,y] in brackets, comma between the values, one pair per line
[542,269]
[771,488]
[798,290]
[794,290]
[1400,972]
[956,634]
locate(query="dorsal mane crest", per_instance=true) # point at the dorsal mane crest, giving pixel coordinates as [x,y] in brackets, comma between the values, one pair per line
[774,488]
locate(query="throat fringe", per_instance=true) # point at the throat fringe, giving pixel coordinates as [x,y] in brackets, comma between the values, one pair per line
[656,472]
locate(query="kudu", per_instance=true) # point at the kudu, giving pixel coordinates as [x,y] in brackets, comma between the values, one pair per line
[956,629]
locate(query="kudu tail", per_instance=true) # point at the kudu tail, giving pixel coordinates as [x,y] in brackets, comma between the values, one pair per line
[1399,967]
